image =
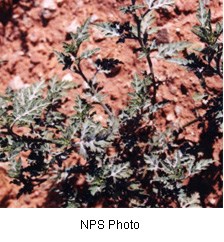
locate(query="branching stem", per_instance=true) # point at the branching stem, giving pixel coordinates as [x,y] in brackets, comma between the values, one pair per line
[94,91]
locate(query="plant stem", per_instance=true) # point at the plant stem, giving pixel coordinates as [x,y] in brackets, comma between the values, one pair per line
[94,91]
[192,122]
[148,57]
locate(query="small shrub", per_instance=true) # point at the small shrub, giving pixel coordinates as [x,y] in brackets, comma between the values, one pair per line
[146,167]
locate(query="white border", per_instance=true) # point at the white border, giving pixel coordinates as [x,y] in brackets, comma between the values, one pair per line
[64,225]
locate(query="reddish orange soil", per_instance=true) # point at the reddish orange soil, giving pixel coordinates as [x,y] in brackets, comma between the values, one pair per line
[29,33]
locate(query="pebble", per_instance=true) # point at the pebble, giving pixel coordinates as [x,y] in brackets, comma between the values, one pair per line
[178,110]
[49,4]
[72,27]
[34,36]
[47,14]
[170,117]
[67,77]
[17,83]
[48,8]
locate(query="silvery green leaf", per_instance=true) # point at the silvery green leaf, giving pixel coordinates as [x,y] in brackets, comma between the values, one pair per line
[109,29]
[94,190]
[89,53]
[202,13]
[156,4]
[171,49]
[57,88]
[189,202]
[147,22]
[179,61]
[120,171]
[82,33]
[152,161]
[201,165]
[141,55]
[29,103]
[218,29]
[15,168]
[3,106]
[152,31]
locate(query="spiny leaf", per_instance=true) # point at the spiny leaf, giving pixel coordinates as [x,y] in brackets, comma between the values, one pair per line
[64,60]
[156,4]
[82,33]
[201,165]
[15,168]
[189,202]
[110,29]
[120,171]
[179,61]
[57,89]
[29,104]
[171,49]
[89,53]
[147,21]
[202,13]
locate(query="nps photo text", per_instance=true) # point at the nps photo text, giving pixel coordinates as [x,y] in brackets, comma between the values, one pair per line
[90,224]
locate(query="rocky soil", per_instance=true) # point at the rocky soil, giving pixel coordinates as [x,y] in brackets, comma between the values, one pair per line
[31,30]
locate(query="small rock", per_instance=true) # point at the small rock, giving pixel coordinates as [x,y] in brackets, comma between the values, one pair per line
[16,83]
[212,201]
[72,27]
[170,117]
[162,37]
[178,110]
[49,4]
[48,9]
[34,36]
[98,118]
[47,14]
[94,18]
[67,77]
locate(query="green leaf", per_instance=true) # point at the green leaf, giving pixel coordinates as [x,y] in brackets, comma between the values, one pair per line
[120,171]
[189,202]
[181,62]
[171,49]
[64,59]
[202,14]
[218,29]
[89,53]
[28,104]
[109,29]
[156,4]
[200,166]
[15,168]
[147,22]
[82,33]
[3,105]
[197,96]
[58,88]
